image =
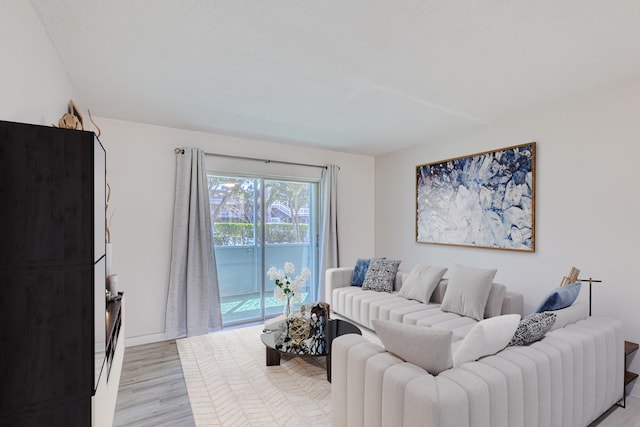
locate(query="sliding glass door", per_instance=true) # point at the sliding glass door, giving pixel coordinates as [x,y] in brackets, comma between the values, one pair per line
[258,223]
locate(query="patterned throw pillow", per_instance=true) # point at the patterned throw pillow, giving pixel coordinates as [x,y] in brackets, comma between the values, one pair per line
[381,275]
[532,328]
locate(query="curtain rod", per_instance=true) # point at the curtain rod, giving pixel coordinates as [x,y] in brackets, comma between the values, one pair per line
[255,159]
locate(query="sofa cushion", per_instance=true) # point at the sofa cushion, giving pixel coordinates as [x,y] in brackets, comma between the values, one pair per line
[495,300]
[421,282]
[532,328]
[360,271]
[381,275]
[427,348]
[559,298]
[468,291]
[566,316]
[487,337]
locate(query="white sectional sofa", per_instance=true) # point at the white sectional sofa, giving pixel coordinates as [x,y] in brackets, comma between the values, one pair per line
[569,378]
[364,306]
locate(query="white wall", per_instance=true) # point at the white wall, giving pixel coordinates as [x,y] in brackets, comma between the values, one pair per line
[141,171]
[587,203]
[34,85]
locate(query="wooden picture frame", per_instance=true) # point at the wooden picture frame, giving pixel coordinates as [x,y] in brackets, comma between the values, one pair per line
[484,200]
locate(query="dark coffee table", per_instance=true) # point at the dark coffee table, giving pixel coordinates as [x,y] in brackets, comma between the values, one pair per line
[333,329]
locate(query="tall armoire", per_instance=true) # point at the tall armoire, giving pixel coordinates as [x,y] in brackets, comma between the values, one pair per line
[52,274]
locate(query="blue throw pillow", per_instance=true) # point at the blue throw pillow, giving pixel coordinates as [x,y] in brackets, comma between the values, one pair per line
[360,271]
[559,298]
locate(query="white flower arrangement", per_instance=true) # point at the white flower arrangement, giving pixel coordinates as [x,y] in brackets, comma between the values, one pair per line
[287,288]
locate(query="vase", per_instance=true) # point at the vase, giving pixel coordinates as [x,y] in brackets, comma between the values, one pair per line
[108,249]
[288,311]
[112,284]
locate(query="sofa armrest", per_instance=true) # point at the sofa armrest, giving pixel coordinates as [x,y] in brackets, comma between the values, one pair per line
[338,277]
[569,315]
[513,303]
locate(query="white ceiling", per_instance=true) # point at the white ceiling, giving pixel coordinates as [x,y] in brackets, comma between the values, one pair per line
[360,76]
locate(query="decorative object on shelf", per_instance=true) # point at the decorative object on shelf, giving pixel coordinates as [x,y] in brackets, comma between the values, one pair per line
[288,289]
[71,119]
[591,281]
[299,330]
[571,278]
[317,343]
[112,284]
[286,343]
[108,250]
[94,123]
[287,311]
[483,200]
[107,221]
[107,230]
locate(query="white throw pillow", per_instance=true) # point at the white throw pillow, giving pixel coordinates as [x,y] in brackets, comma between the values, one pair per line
[421,282]
[468,291]
[423,346]
[487,337]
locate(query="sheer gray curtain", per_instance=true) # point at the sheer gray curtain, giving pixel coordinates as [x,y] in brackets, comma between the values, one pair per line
[329,225]
[193,303]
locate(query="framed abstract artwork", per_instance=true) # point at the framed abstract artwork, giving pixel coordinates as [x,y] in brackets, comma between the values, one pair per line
[484,200]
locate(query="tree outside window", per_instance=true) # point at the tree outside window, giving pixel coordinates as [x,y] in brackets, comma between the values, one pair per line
[233,207]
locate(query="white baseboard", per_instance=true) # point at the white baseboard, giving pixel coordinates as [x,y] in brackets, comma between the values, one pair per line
[144,339]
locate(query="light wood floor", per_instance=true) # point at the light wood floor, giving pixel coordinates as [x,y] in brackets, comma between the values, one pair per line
[152,389]
[153,392]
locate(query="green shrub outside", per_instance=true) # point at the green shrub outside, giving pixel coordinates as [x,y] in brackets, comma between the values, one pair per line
[239,234]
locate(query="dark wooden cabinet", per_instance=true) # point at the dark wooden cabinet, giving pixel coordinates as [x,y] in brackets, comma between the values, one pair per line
[48,259]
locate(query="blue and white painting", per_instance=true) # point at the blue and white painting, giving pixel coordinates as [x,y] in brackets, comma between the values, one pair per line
[483,200]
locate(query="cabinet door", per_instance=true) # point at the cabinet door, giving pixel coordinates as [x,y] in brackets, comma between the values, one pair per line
[47,338]
[66,414]
[46,187]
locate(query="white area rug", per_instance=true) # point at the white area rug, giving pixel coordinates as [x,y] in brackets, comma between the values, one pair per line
[229,383]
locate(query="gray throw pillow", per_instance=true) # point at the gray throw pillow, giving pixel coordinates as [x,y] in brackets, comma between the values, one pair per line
[381,275]
[426,347]
[532,328]
[495,300]
[421,282]
[468,291]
